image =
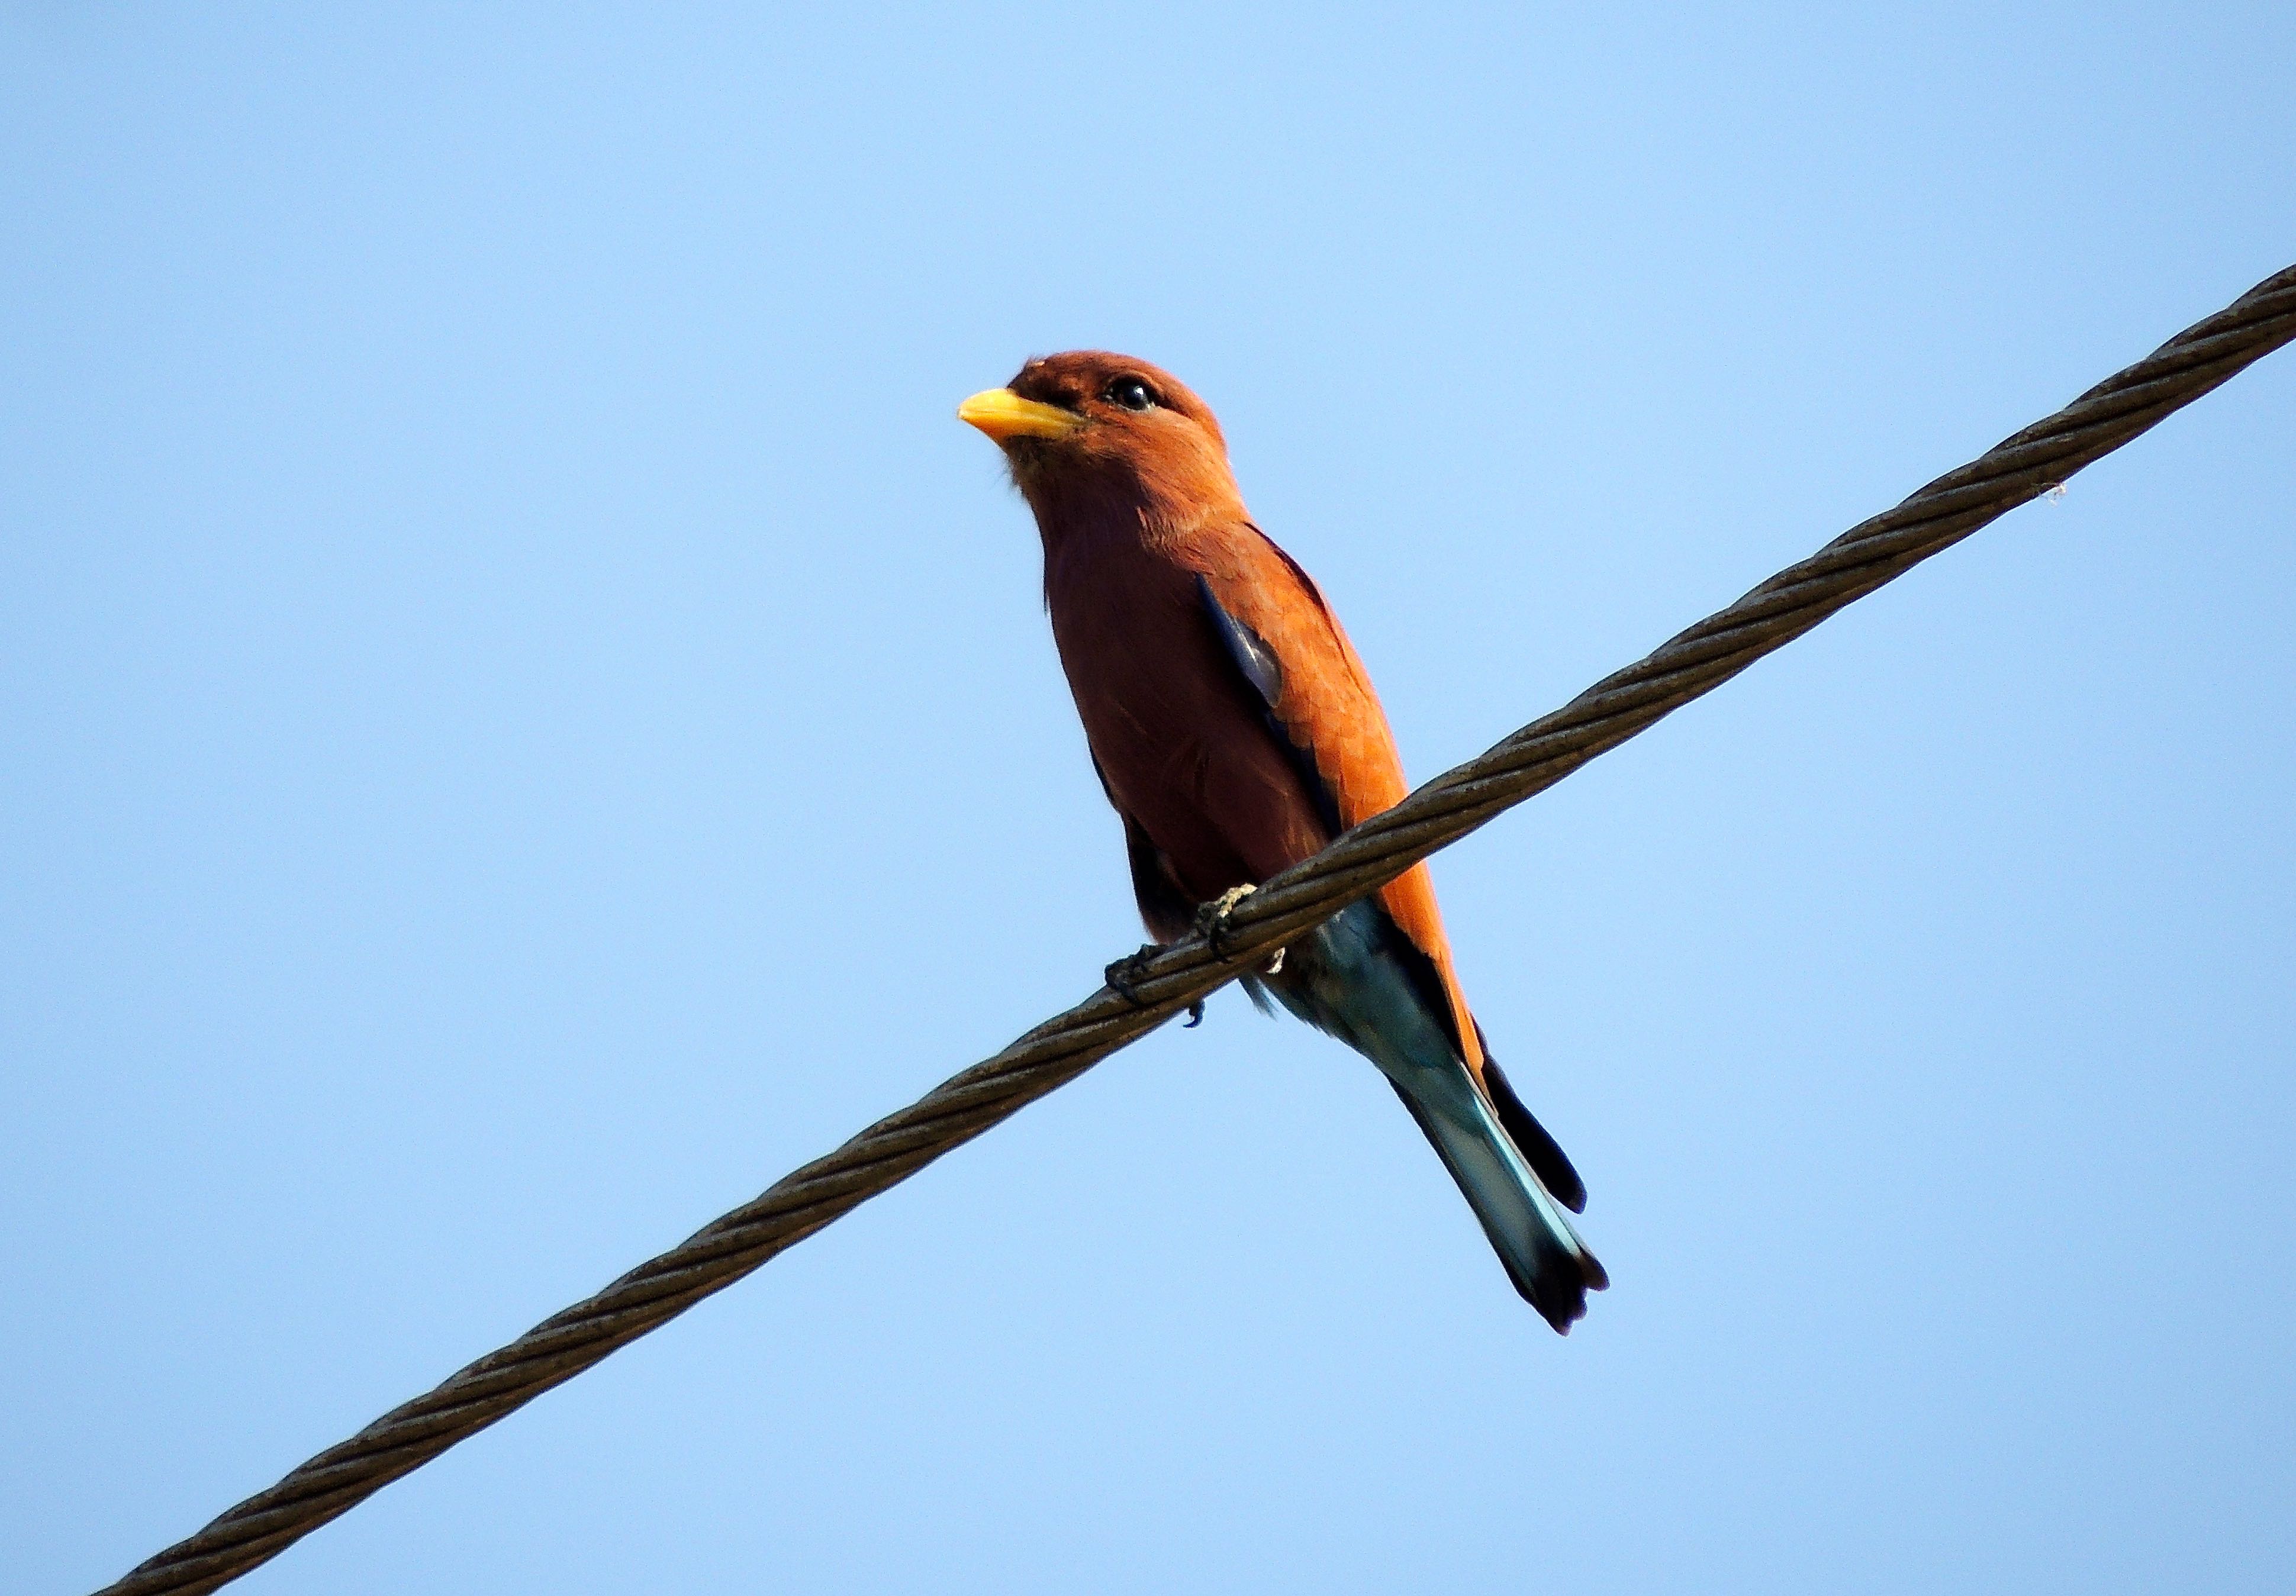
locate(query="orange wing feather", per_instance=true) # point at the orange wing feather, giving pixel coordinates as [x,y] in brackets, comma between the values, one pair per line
[1331,709]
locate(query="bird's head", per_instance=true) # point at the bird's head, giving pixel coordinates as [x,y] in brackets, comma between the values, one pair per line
[1088,434]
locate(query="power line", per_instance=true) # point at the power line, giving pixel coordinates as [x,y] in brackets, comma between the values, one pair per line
[2012,473]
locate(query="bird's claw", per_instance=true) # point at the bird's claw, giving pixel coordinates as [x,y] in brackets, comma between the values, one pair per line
[1212,919]
[1121,975]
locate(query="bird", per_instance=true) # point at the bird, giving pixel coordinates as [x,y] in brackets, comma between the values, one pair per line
[1235,731]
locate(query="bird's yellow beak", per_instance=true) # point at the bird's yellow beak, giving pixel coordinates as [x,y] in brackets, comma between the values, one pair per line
[1004,415]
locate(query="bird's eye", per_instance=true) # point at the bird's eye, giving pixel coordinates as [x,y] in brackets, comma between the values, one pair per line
[1131,393]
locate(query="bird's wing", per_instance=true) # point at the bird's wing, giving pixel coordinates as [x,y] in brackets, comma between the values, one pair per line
[1321,707]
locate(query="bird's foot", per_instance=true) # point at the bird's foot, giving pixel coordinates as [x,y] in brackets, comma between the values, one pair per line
[1212,919]
[1121,975]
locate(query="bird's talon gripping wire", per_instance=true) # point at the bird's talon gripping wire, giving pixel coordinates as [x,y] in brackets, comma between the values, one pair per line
[1212,919]
[1121,976]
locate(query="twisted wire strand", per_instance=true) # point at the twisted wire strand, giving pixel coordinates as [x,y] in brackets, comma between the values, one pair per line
[2019,468]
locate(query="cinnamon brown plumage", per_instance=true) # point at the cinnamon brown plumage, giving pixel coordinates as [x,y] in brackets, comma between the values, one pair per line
[1236,733]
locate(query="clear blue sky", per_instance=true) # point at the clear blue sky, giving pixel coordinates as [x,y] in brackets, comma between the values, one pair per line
[525,718]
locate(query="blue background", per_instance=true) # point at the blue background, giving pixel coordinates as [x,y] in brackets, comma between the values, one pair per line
[526,718]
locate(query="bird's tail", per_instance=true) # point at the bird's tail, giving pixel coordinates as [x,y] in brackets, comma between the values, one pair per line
[1543,1256]
[1359,978]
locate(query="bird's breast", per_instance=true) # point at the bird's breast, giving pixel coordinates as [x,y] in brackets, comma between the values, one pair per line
[1184,748]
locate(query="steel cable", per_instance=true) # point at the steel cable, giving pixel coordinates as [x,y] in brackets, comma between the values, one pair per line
[1161,983]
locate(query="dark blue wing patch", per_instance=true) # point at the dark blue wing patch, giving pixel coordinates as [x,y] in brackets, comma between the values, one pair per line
[1252,657]
[1263,674]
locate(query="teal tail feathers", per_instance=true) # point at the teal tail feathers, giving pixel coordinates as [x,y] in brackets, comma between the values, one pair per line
[1359,978]
[1544,1255]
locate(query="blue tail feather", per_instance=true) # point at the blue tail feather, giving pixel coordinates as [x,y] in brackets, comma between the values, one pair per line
[1355,978]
